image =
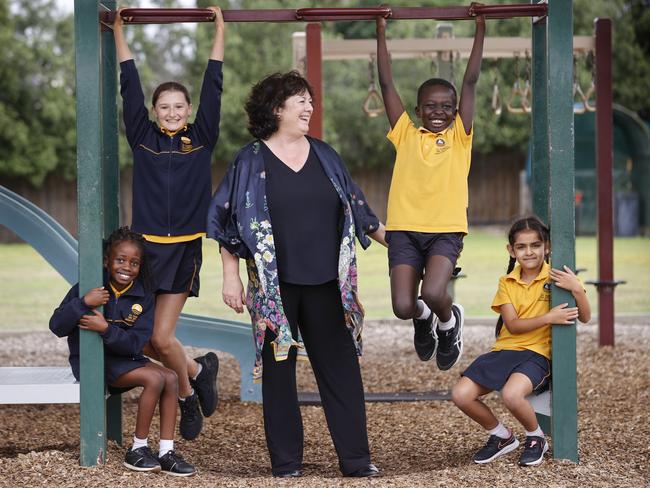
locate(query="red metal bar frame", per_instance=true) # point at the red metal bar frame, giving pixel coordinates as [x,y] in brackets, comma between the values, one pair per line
[604,155]
[314,76]
[167,16]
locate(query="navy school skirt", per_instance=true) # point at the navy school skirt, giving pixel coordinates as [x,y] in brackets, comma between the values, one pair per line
[493,369]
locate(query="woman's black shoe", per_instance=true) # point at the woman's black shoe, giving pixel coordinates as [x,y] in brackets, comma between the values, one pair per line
[365,472]
[294,473]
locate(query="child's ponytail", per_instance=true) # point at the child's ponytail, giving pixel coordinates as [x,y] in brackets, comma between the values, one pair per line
[511,266]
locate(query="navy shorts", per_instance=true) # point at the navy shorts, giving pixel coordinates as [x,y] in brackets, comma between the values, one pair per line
[493,369]
[175,267]
[116,366]
[415,248]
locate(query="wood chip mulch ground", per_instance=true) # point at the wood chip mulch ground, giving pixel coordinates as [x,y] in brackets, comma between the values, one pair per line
[427,443]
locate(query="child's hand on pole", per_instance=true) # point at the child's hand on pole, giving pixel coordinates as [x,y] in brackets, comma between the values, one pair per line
[96,297]
[95,322]
[566,279]
[562,314]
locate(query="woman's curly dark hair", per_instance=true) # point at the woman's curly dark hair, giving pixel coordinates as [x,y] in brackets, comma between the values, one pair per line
[267,96]
[126,234]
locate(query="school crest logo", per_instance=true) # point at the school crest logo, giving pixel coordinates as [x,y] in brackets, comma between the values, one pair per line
[440,142]
[546,292]
[186,144]
[136,310]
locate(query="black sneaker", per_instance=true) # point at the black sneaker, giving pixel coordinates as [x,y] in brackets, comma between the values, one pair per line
[191,419]
[425,339]
[141,459]
[494,447]
[205,385]
[450,342]
[534,450]
[173,463]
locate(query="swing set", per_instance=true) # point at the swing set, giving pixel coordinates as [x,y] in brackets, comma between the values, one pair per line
[553,164]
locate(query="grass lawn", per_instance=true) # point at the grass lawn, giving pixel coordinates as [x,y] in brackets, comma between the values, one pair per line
[30,289]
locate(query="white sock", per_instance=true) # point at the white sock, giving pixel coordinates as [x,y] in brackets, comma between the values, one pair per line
[198,371]
[426,311]
[182,399]
[537,432]
[500,431]
[138,443]
[165,447]
[449,324]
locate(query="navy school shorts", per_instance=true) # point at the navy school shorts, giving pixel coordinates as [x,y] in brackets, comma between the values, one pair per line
[415,248]
[175,267]
[493,369]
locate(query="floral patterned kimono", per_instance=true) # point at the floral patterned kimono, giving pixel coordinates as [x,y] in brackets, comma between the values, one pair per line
[238,218]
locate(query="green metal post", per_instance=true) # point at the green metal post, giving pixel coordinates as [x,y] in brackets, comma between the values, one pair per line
[562,220]
[539,149]
[539,143]
[110,179]
[90,224]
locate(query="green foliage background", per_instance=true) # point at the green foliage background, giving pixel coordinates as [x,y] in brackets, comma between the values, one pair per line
[37,105]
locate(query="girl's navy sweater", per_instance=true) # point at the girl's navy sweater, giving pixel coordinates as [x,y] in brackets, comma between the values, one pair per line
[172,182]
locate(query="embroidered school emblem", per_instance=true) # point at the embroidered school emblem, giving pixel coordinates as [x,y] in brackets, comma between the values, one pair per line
[136,310]
[440,142]
[186,144]
[547,286]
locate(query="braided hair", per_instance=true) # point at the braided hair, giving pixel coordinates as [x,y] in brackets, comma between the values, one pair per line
[527,223]
[125,234]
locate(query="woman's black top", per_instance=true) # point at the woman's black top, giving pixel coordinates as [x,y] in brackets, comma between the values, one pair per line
[306,217]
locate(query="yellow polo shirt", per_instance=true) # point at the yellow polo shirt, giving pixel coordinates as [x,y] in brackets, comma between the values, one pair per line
[428,191]
[530,300]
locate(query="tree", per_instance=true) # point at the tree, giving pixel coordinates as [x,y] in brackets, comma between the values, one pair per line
[37,112]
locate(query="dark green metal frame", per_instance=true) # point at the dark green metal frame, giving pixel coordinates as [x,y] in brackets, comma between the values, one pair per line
[553,197]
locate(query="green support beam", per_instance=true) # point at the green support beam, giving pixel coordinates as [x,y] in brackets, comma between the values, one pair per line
[539,146]
[110,177]
[559,42]
[90,223]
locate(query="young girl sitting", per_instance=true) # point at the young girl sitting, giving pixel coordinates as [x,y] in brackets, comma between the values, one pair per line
[125,327]
[519,362]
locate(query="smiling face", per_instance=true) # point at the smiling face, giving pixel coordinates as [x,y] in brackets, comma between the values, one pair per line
[123,264]
[172,110]
[295,114]
[436,107]
[529,250]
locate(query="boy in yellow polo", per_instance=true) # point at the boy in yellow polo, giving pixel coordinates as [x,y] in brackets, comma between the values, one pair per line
[428,199]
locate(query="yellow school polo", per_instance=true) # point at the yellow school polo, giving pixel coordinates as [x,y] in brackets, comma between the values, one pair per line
[428,191]
[529,300]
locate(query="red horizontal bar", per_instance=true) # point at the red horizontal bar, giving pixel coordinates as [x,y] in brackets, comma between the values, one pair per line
[166,16]
[301,13]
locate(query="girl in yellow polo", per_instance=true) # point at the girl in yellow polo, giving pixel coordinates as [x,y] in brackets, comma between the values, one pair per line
[519,362]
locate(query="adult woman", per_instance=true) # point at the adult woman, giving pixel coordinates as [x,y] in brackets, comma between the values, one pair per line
[171,193]
[302,270]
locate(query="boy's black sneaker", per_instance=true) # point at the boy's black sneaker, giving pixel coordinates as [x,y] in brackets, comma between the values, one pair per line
[191,419]
[141,459]
[494,447]
[205,384]
[173,463]
[534,450]
[450,342]
[424,338]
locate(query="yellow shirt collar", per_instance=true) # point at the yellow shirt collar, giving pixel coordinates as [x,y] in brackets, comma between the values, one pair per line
[172,133]
[515,274]
[118,293]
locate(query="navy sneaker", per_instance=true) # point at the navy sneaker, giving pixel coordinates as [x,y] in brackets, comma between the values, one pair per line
[534,450]
[205,385]
[191,419]
[425,339]
[450,342]
[141,459]
[173,463]
[494,447]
